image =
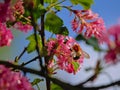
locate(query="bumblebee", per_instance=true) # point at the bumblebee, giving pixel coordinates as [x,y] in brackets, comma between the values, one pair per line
[77,52]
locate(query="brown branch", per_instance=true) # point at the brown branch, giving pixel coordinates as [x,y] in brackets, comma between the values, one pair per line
[36,39]
[65,86]
[42,33]
[87,80]
[24,69]
[102,86]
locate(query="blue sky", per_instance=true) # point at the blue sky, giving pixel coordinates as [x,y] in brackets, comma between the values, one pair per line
[108,10]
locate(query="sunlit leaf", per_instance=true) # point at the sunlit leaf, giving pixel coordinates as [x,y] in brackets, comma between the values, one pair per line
[36,81]
[86,4]
[54,24]
[58,7]
[55,87]
[75,65]
[32,43]
[41,9]
[50,1]
[61,30]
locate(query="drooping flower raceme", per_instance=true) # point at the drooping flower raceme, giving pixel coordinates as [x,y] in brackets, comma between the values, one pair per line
[23,27]
[18,11]
[10,80]
[4,10]
[9,11]
[66,53]
[113,54]
[94,25]
[5,35]
[11,14]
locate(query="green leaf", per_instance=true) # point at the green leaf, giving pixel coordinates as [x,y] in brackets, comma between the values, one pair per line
[55,87]
[41,9]
[50,1]
[58,7]
[75,2]
[75,65]
[86,4]
[91,41]
[32,43]
[61,30]
[36,81]
[38,11]
[54,24]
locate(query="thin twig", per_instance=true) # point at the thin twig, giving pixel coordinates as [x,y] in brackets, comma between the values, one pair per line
[87,80]
[22,53]
[34,59]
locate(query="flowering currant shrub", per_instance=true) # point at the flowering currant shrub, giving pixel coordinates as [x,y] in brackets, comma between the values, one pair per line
[60,51]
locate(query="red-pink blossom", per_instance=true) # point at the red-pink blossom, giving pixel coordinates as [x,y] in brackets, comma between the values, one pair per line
[4,9]
[9,11]
[114,32]
[23,27]
[89,23]
[61,49]
[18,7]
[10,80]
[5,35]
[113,54]
[51,45]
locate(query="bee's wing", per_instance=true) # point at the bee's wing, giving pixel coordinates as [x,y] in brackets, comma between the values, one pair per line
[86,55]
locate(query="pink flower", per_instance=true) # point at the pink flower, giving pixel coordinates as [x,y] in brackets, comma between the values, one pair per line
[5,35]
[64,54]
[51,67]
[51,45]
[10,80]
[113,54]
[4,9]
[114,31]
[9,11]
[22,27]
[18,7]
[86,19]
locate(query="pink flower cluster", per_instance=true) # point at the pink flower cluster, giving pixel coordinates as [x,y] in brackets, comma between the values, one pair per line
[5,35]
[10,80]
[86,19]
[66,57]
[113,54]
[18,10]
[9,11]
[18,7]
[23,27]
